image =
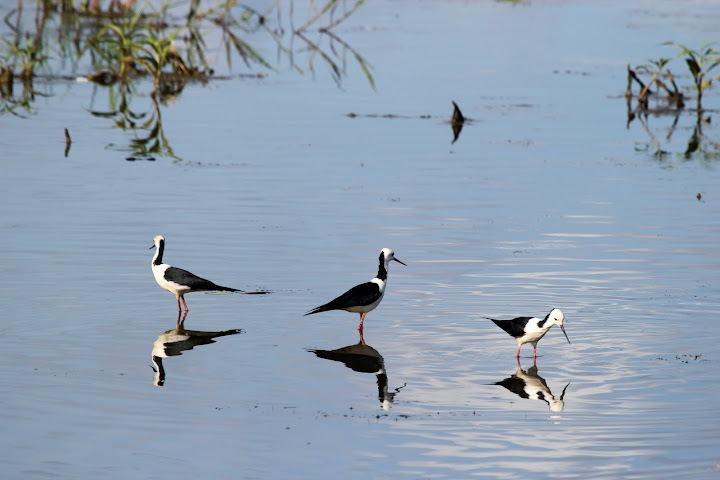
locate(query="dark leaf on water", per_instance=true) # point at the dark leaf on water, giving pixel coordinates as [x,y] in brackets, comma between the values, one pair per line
[457,122]
[693,66]
[457,114]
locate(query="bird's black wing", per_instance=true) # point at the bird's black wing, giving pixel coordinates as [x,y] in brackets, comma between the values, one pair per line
[363,294]
[183,277]
[515,327]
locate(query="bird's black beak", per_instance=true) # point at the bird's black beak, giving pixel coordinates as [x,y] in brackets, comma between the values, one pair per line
[563,330]
[153,246]
[562,395]
[399,261]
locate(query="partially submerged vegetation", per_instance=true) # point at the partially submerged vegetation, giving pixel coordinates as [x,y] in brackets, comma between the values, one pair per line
[125,45]
[671,100]
[134,49]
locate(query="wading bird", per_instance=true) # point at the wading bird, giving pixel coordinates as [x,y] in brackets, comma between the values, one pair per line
[178,281]
[365,297]
[531,329]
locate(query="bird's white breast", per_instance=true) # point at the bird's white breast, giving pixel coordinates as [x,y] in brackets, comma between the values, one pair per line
[172,287]
[380,283]
[533,333]
[533,336]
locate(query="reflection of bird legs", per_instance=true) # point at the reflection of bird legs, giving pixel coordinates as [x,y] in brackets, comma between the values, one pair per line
[181,322]
[520,366]
[362,339]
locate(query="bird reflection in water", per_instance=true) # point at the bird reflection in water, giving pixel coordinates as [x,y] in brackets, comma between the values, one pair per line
[528,384]
[365,359]
[174,342]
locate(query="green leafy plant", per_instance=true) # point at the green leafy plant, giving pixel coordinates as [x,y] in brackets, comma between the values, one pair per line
[120,44]
[657,70]
[701,63]
[24,58]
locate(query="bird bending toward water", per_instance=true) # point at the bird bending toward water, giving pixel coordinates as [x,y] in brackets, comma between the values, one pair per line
[178,281]
[531,329]
[365,297]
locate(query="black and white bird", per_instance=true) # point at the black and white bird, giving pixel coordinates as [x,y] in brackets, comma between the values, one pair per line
[365,297]
[531,329]
[178,281]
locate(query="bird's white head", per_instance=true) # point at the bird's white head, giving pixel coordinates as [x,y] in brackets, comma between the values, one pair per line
[157,240]
[557,316]
[388,255]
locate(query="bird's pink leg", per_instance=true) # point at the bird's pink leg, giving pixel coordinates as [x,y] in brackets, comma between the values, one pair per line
[518,354]
[179,307]
[534,352]
[362,339]
[183,299]
[360,327]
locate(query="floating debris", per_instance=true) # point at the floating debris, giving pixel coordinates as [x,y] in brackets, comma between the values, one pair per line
[457,114]
[457,121]
[68,142]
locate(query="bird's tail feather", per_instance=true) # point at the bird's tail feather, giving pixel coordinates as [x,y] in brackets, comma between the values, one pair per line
[228,289]
[321,308]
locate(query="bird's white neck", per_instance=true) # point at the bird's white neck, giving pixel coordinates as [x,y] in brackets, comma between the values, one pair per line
[157,259]
[380,283]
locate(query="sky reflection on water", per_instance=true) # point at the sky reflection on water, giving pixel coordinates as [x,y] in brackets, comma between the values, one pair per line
[543,201]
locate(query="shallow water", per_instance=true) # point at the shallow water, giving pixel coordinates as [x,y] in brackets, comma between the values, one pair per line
[547,199]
